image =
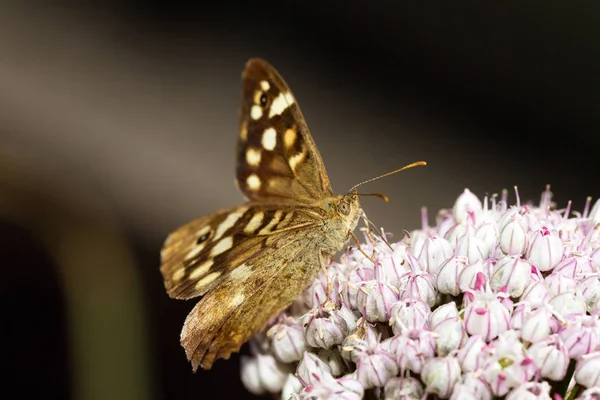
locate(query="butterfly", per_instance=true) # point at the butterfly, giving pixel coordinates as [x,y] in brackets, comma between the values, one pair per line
[252,261]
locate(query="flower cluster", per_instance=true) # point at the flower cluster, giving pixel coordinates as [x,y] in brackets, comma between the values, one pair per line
[494,301]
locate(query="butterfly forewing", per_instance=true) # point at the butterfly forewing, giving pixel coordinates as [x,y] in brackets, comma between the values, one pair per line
[277,159]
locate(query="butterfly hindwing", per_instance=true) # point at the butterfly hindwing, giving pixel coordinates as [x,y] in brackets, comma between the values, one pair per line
[277,159]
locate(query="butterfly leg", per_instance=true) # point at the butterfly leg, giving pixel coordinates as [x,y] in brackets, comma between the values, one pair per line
[360,248]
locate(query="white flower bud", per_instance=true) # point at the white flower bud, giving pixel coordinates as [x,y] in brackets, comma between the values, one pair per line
[407,315]
[374,366]
[489,234]
[486,316]
[447,279]
[291,387]
[452,336]
[568,303]
[287,340]
[442,313]
[435,251]
[581,336]
[587,369]
[535,293]
[466,207]
[467,277]
[472,385]
[263,373]
[471,356]
[403,389]
[375,299]
[531,391]
[513,237]
[575,266]
[472,248]
[513,273]
[312,370]
[558,283]
[334,360]
[551,357]
[394,264]
[440,374]
[546,249]
[411,350]
[537,325]
[590,290]
[324,328]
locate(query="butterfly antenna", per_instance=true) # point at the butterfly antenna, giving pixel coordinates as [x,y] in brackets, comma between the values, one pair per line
[415,164]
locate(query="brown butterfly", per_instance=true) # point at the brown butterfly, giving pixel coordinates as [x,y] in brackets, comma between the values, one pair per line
[252,261]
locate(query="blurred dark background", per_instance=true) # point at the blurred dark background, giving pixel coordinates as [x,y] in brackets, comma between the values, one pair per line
[118,123]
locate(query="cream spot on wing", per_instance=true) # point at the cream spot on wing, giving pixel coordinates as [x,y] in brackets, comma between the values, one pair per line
[201,269]
[289,138]
[207,280]
[280,104]
[241,273]
[178,274]
[229,222]
[253,157]
[295,160]
[203,231]
[274,221]
[195,251]
[224,245]
[254,223]
[237,300]
[269,139]
[253,182]
[264,85]
[256,112]
[244,131]
[286,220]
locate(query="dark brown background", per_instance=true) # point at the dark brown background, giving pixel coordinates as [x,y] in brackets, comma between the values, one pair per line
[118,123]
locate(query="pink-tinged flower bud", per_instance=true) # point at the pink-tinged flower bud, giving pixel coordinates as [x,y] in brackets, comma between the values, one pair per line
[336,389]
[594,216]
[537,325]
[324,328]
[590,290]
[471,356]
[287,340]
[519,315]
[403,389]
[467,207]
[513,273]
[513,237]
[451,336]
[472,386]
[440,374]
[417,284]
[575,266]
[546,248]
[587,370]
[535,293]
[408,314]
[374,366]
[472,248]
[568,303]
[558,283]
[551,357]
[581,335]
[444,222]
[411,350]
[291,387]
[355,342]
[467,277]
[531,391]
[486,316]
[595,257]
[590,394]
[447,278]
[351,384]
[489,234]
[394,264]
[334,360]
[263,373]
[455,231]
[351,286]
[375,298]
[312,370]
[442,313]
[435,251]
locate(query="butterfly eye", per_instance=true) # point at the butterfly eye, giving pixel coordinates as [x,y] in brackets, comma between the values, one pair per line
[343,208]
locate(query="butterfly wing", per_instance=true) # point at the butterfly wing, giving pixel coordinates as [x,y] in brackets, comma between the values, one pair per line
[277,160]
[199,255]
[242,304]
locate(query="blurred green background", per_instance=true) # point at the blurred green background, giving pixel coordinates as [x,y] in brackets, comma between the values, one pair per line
[118,123]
